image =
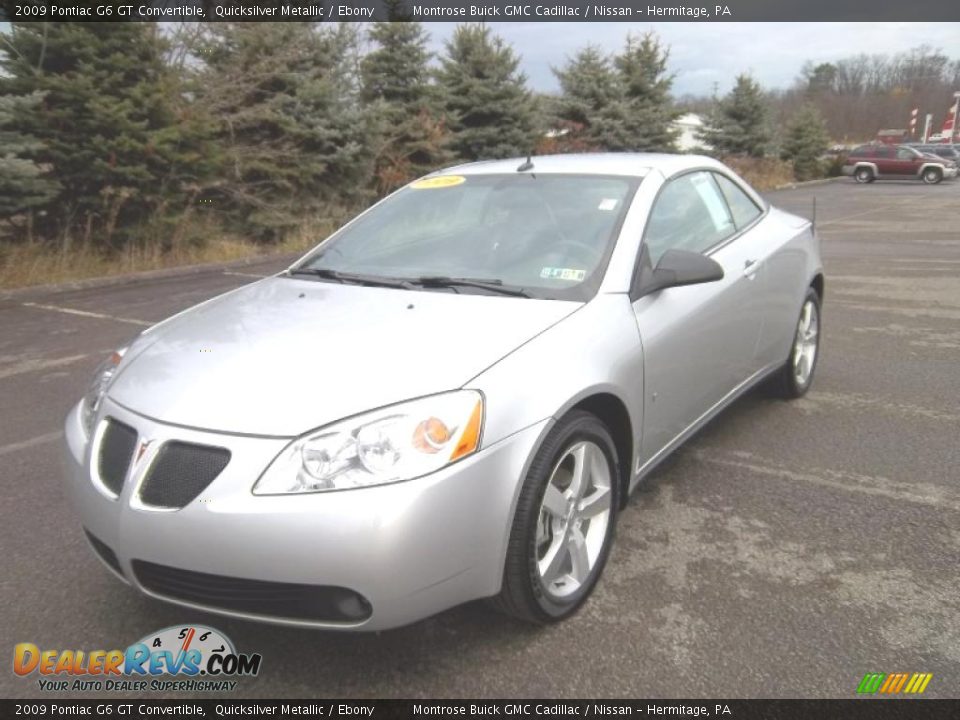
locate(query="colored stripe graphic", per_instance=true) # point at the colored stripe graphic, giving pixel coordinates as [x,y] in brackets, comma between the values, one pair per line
[870,683]
[894,683]
[890,682]
[918,683]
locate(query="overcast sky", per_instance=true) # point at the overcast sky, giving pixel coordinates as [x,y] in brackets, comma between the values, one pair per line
[704,53]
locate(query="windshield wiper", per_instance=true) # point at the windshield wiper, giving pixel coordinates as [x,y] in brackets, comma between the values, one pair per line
[346,277]
[494,285]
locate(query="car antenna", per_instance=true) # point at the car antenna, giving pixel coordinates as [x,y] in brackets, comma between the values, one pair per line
[528,165]
[813,215]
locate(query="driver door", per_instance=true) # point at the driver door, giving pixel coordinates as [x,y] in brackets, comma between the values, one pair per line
[698,340]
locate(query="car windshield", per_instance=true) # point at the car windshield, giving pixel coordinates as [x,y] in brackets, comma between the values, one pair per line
[542,235]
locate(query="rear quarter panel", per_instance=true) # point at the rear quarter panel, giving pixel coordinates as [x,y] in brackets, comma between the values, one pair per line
[793,262]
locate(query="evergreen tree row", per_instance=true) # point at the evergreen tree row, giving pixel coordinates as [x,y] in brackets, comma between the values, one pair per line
[121,132]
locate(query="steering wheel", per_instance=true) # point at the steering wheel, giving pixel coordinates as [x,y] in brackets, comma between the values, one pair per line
[580,250]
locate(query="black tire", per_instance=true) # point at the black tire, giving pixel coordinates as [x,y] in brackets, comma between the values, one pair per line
[931,176]
[785,381]
[523,594]
[863,175]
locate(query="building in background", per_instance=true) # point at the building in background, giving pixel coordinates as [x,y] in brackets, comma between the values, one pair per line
[689,127]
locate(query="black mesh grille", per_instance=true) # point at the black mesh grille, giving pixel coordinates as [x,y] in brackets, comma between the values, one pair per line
[180,472]
[116,451]
[105,553]
[320,603]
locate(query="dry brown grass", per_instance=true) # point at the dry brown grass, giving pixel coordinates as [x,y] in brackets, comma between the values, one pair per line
[37,263]
[762,173]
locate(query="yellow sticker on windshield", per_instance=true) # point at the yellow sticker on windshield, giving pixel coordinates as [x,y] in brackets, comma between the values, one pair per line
[441,181]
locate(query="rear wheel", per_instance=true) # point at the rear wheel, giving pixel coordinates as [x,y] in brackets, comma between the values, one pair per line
[931,176]
[796,375]
[863,175]
[564,523]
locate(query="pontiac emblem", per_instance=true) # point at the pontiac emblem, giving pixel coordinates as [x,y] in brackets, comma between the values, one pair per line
[143,448]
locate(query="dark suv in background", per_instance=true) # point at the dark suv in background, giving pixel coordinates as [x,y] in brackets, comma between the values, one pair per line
[897,162]
[950,152]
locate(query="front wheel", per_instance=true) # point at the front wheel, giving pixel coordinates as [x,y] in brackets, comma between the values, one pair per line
[796,375]
[932,176]
[564,523]
[863,175]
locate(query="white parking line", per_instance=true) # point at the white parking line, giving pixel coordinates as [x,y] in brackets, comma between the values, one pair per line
[243,274]
[24,444]
[87,313]
[918,493]
[26,366]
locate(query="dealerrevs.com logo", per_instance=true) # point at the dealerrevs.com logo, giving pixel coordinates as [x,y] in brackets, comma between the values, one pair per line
[182,657]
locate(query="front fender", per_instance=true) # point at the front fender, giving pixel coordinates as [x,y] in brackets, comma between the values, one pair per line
[593,351]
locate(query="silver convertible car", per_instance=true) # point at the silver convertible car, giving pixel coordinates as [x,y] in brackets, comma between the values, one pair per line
[448,399]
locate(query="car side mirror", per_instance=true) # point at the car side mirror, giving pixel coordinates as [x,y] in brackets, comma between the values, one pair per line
[681,267]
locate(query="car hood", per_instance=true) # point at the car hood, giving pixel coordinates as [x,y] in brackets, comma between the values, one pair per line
[283,356]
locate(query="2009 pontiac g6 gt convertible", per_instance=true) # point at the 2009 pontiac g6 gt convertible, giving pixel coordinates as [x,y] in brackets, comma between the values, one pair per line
[448,399]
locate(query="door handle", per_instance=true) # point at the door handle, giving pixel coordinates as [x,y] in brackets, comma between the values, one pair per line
[750,268]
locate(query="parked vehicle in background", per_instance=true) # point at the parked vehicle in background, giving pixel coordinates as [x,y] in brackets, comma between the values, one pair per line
[950,152]
[897,162]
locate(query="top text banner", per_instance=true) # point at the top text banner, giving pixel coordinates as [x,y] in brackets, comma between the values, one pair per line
[477,11]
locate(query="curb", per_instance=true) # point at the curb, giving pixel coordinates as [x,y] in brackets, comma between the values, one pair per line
[806,183]
[130,278]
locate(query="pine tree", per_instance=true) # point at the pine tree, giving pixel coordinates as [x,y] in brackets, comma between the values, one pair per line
[807,139]
[294,134]
[107,126]
[490,111]
[738,123]
[412,135]
[618,105]
[24,185]
[591,108]
[643,72]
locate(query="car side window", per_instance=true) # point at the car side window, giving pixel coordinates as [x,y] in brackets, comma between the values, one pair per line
[743,209]
[905,154]
[688,214]
[884,152]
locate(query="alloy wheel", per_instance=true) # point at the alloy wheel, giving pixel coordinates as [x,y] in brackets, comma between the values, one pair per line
[805,343]
[573,519]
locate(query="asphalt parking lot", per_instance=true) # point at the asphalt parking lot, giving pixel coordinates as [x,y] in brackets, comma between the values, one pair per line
[786,551]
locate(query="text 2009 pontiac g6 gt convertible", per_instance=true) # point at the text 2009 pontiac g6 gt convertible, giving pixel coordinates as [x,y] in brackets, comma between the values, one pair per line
[448,399]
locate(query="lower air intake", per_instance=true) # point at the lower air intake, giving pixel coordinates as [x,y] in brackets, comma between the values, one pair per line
[317,603]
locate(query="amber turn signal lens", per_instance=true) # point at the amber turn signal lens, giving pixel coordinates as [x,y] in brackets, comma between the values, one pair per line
[431,435]
[470,439]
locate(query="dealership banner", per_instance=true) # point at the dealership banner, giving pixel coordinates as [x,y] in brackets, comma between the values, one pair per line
[478,10]
[522,708]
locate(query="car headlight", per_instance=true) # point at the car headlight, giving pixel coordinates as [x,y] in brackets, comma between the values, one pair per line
[400,442]
[98,388]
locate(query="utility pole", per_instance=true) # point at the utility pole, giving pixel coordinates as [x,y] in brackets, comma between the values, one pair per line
[956,112]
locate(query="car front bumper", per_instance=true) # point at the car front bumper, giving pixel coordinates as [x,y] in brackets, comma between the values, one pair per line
[403,551]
